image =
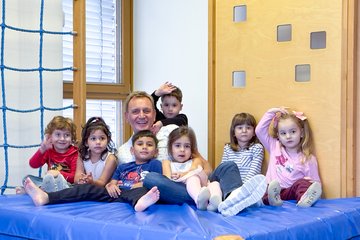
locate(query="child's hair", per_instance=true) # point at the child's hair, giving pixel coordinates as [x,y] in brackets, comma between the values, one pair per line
[175,93]
[178,133]
[144,133]
[306,142]
[62,123]
[138,94]
[93,124]
[239,119]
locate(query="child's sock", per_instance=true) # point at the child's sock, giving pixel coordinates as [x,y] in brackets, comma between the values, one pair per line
[254,188]
[215,196]
[311,195]
[61,183]
[202,199]
[214,202]
[48,184]
[274,190]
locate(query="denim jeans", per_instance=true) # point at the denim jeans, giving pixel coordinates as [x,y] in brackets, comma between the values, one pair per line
[227,174]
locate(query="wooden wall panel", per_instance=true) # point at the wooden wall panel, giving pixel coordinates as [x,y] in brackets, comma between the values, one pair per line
[251,46]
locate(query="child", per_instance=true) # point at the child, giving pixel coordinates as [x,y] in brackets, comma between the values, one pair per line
[244,148]
[183,167]
[59,153]
[125,186]
[248,155]
[97,155]
[293,170]
[171,98]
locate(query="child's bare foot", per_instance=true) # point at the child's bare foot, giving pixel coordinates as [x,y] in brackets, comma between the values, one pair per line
[151,197]
[38,196]
[20,190]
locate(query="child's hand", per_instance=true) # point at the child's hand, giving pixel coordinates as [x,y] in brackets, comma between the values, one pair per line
[46,143]
[156,127]
[166,88]
[279,109]
[175,176]
[113,190]
[309,179]
[55,173]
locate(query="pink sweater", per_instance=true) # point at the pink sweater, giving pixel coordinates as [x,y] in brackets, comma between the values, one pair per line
[284,167]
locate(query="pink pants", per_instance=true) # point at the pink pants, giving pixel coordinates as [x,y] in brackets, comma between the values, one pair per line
[294,192]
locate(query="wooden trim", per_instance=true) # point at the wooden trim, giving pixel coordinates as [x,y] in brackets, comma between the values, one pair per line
[127,40]
[85,90]
[211,81]
[348,102]
[79,56]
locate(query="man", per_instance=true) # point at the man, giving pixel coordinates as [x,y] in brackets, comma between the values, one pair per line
[140,113]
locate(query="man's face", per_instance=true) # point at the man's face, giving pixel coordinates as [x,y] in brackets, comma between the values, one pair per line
[140,114]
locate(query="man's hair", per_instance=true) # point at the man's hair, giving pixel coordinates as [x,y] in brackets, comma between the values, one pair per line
[175,93]
[144,133]
[138,94]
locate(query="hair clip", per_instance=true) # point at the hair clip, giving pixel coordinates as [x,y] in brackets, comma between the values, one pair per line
[299,115]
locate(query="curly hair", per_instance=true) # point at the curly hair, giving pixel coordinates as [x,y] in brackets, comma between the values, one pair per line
[62,123]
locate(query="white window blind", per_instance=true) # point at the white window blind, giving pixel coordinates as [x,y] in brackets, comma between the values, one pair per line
[102,58]
[101,38]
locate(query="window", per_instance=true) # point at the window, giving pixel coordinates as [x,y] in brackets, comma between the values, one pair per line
[107,79]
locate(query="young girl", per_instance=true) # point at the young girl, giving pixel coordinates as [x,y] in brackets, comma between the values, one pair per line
[293,170]
[59,153]
[182,146]
[97,154]
[244,148]
[248,154]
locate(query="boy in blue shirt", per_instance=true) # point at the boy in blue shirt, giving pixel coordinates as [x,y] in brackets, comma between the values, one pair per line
[126,183]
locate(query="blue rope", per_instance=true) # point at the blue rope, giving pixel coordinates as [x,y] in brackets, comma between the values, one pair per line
[4,108]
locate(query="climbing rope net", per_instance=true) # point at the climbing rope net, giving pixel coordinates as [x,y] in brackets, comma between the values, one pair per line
[40,69]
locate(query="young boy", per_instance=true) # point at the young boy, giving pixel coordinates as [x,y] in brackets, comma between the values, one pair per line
[59,153]
[126,183]
[171,98]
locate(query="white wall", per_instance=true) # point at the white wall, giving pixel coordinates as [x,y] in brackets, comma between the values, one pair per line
[171,44]
[22,92]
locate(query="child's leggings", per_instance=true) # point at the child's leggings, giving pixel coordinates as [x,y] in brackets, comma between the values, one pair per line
[293,192]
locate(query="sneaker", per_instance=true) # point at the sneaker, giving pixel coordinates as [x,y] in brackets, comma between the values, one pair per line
[61,183]
[248,194]
[48,183]
[311,195]
[274,190]
[214,202]
[203,198]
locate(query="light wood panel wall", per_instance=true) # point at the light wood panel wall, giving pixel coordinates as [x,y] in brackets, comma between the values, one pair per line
[251,46]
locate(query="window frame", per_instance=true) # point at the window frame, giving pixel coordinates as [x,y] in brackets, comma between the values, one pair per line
[99,91]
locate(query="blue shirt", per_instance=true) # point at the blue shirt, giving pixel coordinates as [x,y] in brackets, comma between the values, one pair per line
[128,174]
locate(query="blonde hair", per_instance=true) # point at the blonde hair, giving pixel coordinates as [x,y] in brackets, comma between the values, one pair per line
[306,142]
[62,123]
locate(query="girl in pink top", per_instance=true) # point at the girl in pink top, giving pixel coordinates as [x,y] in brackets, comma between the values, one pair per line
[293,170]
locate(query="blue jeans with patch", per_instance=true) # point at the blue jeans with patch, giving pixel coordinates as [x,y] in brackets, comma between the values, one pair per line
[227,174]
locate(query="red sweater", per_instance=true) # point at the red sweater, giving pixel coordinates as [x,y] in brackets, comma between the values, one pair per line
[67,160]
